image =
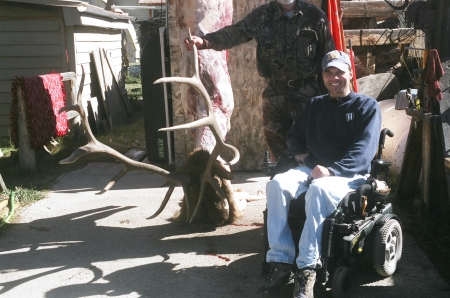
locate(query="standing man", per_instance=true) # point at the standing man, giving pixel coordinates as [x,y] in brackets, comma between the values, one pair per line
[292,38]
[335,137]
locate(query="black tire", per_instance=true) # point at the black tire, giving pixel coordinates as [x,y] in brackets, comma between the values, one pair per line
[388,247]
[368,249]
[342,282]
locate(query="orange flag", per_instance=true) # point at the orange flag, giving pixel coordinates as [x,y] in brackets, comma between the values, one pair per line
[337,32]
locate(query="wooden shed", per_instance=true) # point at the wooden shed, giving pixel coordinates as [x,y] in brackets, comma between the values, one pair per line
[39,37]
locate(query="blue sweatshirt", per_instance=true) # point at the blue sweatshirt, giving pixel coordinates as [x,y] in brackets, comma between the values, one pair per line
[341,135]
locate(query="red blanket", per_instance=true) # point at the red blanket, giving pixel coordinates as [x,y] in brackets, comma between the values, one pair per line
[432,73]
[43,97]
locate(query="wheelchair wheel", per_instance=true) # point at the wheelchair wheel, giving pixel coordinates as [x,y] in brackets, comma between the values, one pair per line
[342,282]
[368,249]
[388,247]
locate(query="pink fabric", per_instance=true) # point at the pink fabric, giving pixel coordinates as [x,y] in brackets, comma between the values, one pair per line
[43,96]
[433,72]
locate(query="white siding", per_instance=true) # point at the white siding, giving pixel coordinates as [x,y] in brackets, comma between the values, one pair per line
[88,40]
[28,47]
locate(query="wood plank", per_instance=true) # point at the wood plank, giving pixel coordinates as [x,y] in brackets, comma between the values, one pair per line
[6,74]
[83,58]
[32,25]
[87,70]
[4,131]
[4,107]
[54,62]
[358,9]
[97,22]
[30,38]
[127,105]
[94,106]
[5,98]
[117,108]
[95,37]
[30,50]
[98,67]
[367,37]
[88,47]
[5,121]
[115,52]
[5,86]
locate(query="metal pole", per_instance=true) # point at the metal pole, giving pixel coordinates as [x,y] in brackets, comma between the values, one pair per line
[166,103]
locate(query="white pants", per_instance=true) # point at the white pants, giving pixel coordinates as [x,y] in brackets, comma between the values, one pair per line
[322,197]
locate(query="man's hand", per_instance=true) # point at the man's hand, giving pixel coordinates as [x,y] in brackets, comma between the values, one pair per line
[321,171]
[198,41]
[300,158]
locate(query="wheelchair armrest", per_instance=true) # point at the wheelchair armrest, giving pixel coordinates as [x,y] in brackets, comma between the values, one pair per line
[352,202]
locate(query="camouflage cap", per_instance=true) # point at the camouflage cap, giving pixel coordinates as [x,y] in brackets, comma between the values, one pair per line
[337,59]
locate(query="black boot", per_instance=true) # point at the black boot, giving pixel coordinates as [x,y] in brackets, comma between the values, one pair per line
[277,276]
[304,283]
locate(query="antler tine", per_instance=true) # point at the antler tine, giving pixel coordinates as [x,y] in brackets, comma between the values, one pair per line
[94,146]
[164,202]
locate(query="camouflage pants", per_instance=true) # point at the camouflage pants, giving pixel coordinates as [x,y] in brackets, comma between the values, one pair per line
[281,105]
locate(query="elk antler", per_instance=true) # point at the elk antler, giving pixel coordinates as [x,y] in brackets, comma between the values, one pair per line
[94,146]
[209,121]
[174,179]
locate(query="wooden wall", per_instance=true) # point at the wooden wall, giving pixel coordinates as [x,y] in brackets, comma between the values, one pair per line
[31,43]
[87,40]
[35,40]
[246,132]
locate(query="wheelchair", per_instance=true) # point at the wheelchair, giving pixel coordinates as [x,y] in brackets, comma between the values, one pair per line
[362,228]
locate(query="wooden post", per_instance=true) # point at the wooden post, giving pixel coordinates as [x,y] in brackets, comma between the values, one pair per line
[27,155]
[2,184]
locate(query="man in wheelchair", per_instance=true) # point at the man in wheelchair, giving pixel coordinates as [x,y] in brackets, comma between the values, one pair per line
[334,139]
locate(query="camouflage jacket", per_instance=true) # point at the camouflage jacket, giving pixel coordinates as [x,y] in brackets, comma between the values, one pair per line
[288,49]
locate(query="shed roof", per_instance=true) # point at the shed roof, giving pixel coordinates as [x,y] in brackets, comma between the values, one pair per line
[68,3]
[152,2]
[83,8]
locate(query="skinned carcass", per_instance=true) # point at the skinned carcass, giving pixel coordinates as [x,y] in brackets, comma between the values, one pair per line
[204,178]
[200,17]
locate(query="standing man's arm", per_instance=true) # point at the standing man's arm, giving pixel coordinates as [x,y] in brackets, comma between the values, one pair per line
[326,41]
[229,36]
